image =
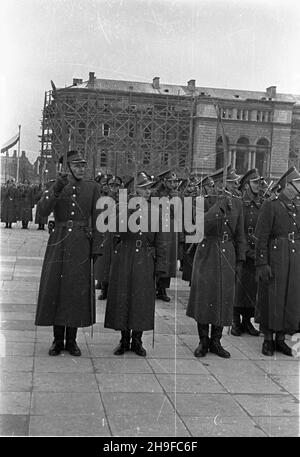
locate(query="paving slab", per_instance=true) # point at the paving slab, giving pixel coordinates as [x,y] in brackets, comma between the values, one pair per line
[11,381]
[198,405]
[64,383]
[13,348]
[69,425]
[178,366]
[15,403]
[222,426]
[289,383]
[191,383]
[148,425]
[18,336]
[279,426]
[128,383]
[269,405]
[288,367]
[16,363]
[121,366]
[48,403]
[132,404]
[63,363]
[14,425]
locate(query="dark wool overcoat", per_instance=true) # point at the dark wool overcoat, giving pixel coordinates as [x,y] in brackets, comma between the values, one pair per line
[213,277]
[278,307]
[131,291]
[66,288]
[26,204]
[8,204]
[246,285]
[39,219]
[102,265]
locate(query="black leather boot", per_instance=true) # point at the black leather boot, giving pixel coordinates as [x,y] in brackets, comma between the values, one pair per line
[137,345]
[58,342]
[268,346]
[281,346]
[248,327]
[71,345]
[202,348]
[215,345]
[236,328]
[124,344]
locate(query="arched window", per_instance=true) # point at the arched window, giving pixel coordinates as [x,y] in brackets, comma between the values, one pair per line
[262,152]
[220,152]
[242,155]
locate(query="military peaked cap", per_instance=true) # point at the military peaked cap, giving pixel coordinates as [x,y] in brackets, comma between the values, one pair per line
[73,157]
[292,174]
[251,175]
[168,175]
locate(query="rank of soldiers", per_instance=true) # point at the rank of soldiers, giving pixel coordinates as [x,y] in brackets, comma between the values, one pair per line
[243,273]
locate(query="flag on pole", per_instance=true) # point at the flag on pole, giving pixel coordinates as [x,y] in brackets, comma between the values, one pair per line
[10,143]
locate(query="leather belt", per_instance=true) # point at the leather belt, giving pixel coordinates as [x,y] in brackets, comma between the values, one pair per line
[71,224]
[292,236]
[223,238]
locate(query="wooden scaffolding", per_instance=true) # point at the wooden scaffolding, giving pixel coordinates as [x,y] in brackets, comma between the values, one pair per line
[119,132]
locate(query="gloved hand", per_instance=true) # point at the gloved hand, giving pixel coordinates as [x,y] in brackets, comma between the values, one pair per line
[263,273]
[60,183]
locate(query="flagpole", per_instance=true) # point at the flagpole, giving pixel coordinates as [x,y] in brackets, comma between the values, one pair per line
[18,158]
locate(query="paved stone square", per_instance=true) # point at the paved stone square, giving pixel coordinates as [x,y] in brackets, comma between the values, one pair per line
[169,393]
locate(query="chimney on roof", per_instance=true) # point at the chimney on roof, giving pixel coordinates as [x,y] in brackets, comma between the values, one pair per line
[92,78]
[76,81]
[271,92]
[192,84]
[155,83]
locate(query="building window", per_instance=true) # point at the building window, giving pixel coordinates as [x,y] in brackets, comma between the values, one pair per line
[242,155]
[103,159]
[105,130]
[220,152]
[147,158]
[261,156]
[165,158]
[129,157]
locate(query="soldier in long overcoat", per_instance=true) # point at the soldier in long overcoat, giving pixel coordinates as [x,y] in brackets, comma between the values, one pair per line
[8,204]
[246,285]
[137,258]
[168,183]
[102,266]
[66,292]
[40,220]
[26,204]
[213,277]
[278,264]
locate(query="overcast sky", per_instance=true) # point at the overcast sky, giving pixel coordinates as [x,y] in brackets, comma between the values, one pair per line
[220,43]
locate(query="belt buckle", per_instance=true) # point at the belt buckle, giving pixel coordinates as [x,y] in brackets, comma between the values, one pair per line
[138,243]
[250,230]
[291,236]
[225,237]
[70,224]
